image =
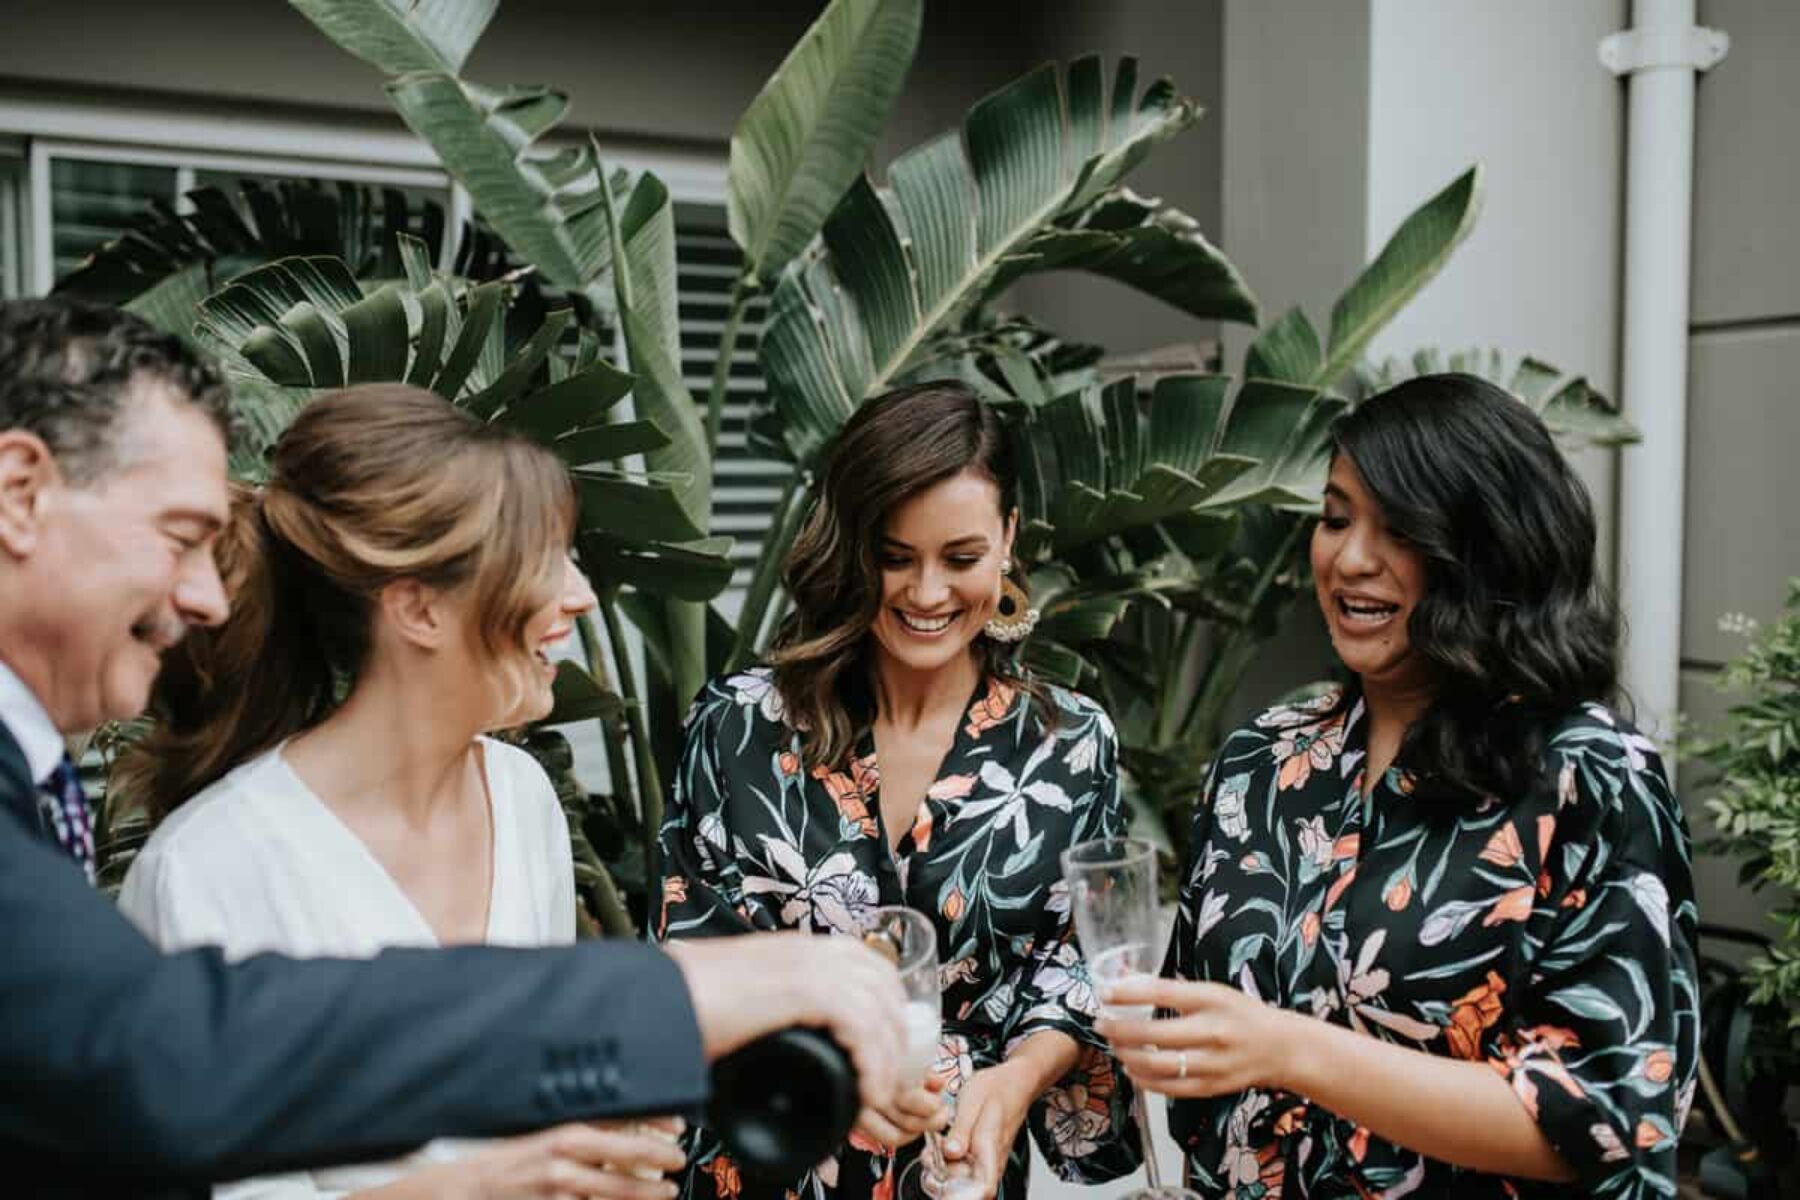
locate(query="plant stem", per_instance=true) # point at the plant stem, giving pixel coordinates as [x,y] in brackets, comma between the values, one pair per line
[649,779]
[782,531]
[1212,680]
[610,733]
[741,291]
[1168,720]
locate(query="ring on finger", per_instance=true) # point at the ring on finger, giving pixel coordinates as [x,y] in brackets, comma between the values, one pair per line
[1181,1064]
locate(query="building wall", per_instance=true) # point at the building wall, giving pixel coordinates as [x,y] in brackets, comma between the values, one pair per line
[1742,527]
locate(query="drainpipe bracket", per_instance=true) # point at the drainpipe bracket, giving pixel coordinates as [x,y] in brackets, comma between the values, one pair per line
[1695,48]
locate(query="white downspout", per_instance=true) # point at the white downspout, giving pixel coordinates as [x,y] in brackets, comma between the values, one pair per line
[1660,55]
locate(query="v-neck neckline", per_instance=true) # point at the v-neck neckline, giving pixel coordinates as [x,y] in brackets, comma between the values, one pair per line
[900,848]
[329,820]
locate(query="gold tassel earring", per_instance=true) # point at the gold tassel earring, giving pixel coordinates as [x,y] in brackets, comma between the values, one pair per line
[1014,618]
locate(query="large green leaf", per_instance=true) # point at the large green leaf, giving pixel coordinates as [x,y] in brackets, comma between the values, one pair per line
[1140,241]
[809,131]
[223,236]
[644,243]
[1286,431]
[547,206]
[1576,414]
[1411,257]
[902,263]
[1107,464]
[643,254]
[403,35]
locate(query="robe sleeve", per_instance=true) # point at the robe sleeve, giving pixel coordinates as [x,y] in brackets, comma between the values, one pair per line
[702,886]
[1602,1044]
[1083,1124]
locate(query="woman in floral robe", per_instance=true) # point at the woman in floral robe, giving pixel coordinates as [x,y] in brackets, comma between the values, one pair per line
[1444,915]
[982,778]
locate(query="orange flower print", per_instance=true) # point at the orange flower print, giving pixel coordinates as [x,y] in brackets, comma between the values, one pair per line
[789,762]
[921,830]
[1658,1065]
[991,709]
[1338,888]
[674,892]
[1577,898]
[862,1141]
[727,1180]
[866,774]
[1399,894]
[1359,1143]
[954,905]
[1503,848]
[1648,1136]
[1546,830]
[1309,749]
[1347,846]
[1512,906]
[1309,928]
[951,787]
[884,1190]
[848,797]
[1475,1012]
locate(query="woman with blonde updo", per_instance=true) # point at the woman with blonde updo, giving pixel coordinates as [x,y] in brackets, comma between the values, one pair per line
[319,771]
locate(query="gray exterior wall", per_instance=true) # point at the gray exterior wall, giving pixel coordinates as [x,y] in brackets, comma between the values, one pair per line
[1742,526]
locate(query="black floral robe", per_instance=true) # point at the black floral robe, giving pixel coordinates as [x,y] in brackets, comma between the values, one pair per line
[753,841]
[1549,935]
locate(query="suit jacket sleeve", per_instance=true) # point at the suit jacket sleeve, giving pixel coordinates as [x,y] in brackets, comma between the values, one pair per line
[183,1066]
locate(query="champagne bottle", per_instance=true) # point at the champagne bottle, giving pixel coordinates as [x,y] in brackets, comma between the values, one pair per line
[784,1103]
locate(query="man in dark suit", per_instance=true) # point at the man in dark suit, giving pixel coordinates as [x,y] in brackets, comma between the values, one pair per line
[119,1062]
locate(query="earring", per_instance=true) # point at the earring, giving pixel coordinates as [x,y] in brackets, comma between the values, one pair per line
[1015,618]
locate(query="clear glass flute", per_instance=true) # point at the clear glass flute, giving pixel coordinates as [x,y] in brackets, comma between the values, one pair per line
[908,937]
[1113,900]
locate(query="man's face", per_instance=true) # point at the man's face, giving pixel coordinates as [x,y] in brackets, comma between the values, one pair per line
[114,572]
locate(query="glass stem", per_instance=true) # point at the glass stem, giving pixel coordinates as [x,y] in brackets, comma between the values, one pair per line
[1140,1106]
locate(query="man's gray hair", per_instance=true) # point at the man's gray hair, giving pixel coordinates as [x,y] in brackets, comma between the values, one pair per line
[67,366]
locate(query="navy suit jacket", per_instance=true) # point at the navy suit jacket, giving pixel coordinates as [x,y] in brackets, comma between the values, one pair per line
[124,1070]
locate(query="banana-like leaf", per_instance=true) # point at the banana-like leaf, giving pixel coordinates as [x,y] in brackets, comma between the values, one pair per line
[224,237]
[575,696]
[1286,431]
[694,571]
[810,130]
[1411,257]
[1146,244]
[1286,352]
[547,206]
[1577,415]
[1106,464]
[644,248]
[902,263]
[403,35]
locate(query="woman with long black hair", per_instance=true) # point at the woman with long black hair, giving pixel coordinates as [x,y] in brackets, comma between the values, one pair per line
[1436,933]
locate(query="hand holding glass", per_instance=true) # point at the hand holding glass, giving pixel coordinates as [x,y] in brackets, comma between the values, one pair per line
[909,938]
[1113,900]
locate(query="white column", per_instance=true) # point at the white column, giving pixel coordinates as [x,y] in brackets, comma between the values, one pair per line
[1660,56]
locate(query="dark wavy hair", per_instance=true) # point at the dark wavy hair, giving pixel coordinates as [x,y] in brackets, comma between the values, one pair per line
[894,447]
[1514,625]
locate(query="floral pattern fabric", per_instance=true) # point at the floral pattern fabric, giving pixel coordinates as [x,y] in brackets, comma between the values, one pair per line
[1550,936]
[753,841]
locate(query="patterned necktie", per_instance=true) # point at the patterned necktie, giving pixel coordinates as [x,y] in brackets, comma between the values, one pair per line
[65,809]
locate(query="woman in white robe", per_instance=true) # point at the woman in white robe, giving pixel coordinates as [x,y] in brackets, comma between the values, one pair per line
[321,775]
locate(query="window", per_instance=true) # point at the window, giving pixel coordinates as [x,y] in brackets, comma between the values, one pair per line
[13,271]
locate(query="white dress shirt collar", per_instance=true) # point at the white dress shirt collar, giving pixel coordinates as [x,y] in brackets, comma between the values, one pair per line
[30,725]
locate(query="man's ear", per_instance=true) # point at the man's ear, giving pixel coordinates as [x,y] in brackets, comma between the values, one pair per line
[416,612]
[28,472]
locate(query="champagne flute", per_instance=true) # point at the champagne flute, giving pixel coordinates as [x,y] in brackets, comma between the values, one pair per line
[908,937]
[1113,900]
